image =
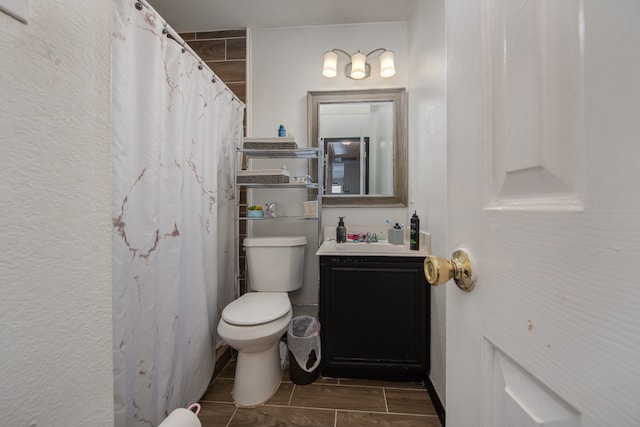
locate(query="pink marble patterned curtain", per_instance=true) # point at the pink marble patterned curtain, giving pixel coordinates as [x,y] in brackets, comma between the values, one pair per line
[174,135]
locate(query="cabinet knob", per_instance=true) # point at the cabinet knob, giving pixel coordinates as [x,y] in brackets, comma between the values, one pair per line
[438,270]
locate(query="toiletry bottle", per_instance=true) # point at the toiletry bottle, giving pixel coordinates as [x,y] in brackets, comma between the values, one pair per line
[282,131]
[341,231]
[414,236]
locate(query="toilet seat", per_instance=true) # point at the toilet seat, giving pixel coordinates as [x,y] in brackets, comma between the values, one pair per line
[255,308]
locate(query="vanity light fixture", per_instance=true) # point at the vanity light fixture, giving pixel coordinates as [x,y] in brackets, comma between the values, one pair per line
[358,68]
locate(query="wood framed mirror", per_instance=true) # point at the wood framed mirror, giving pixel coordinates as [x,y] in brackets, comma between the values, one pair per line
[376,120]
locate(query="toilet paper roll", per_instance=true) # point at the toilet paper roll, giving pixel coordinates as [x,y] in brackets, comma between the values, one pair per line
[181,417]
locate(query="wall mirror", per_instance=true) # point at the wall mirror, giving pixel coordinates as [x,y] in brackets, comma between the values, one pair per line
[363,134]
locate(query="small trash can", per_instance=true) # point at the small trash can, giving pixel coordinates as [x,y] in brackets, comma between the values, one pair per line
[303,340]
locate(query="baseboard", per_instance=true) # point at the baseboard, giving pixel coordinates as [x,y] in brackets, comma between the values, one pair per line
[435,399]
[223,355]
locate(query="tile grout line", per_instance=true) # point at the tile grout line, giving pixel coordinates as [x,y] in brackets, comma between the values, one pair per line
[291,395]
[232,415]
[340,383]
[362,411]
[384,394]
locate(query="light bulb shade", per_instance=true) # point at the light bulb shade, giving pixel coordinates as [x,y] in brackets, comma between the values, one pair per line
[358,68]
[330,67]
[387,66]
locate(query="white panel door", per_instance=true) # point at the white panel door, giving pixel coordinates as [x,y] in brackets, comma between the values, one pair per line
[543,157]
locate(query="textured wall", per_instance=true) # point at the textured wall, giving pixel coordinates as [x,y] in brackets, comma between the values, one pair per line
[55,222]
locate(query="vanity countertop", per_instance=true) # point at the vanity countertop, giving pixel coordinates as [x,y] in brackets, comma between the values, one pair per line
[332,248]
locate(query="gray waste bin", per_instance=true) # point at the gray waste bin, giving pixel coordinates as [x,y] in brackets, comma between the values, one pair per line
[303,340]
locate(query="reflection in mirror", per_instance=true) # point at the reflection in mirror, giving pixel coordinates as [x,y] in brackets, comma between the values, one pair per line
[346,165]
[364,140]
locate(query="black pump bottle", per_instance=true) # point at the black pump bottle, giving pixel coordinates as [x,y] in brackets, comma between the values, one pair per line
[414,236]
[341,231]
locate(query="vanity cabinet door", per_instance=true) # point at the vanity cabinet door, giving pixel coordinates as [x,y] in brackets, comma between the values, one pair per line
[374,316]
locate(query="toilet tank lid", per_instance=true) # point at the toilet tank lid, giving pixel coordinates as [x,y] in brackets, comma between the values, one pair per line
[275,241]
[255,308]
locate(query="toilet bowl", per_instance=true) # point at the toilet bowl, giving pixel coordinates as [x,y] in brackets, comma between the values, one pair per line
[258,365]
[254,323]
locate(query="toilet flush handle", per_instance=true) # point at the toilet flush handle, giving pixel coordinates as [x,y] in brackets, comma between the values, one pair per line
[438,270]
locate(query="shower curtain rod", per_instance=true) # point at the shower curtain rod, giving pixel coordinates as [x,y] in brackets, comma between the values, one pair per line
[167,29]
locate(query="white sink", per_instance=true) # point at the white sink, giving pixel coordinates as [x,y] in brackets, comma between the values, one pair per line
[331,247]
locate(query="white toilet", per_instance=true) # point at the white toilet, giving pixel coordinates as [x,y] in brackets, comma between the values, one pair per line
[254,323]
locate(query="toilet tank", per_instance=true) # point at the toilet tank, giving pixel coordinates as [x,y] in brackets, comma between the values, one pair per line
[275,264]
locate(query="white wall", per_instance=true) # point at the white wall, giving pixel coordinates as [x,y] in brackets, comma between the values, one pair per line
[428,142]
[286,63]
[55,222]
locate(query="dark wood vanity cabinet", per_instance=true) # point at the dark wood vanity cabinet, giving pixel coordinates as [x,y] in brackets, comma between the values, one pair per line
[374,317]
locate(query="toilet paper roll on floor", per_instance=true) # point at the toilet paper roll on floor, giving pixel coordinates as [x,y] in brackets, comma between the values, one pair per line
[182,417]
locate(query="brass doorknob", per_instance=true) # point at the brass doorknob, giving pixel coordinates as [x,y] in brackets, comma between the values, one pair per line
[438,270]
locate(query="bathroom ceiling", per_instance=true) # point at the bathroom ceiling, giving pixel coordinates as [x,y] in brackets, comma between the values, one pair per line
[203,15]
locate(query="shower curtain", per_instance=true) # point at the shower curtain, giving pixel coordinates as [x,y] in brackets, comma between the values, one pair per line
[174,132]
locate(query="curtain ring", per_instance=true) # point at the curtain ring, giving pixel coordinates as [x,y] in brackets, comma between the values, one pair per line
[164,31]
[138,6]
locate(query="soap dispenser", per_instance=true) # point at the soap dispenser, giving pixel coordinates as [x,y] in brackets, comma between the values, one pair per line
[341,231]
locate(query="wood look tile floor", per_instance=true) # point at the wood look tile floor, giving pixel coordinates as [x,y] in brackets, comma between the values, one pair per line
[327,402]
